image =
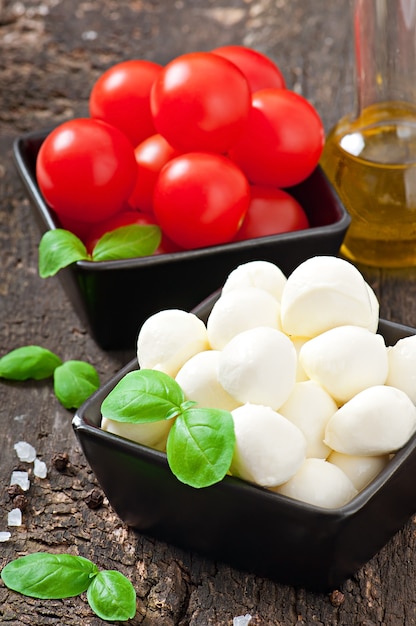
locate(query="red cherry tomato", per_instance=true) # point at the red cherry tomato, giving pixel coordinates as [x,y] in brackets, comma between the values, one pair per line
[271,211]
[282,142]
[86,169]
[200,199]
[121,96]
[127,217]
[200,102]
[260,71]
[151,155]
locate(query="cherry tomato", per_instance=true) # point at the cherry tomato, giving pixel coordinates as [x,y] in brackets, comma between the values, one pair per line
[121,96]
[200,199]
[86,169]
[283,139]
[271,211]
[151,155]
[259,70]
[127,217]
[200,102]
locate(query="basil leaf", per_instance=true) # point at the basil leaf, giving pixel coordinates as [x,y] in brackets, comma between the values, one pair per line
[200,446]
[112,596]
[49,576]
[143,396]
[57,249]
[28,362]
[127,242]
[74,382]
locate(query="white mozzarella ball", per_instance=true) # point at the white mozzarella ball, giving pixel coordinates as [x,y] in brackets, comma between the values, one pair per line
[239,310]
[262,274]
[259,366]
[198,379]
[402,366]
[319,483]
[309,407]
[151,434]
[360,469]
[324,292]
[168,339]
[345,360]
[269,449]
[378,420]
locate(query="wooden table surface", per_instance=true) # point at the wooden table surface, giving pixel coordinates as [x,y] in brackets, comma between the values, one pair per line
[50,54]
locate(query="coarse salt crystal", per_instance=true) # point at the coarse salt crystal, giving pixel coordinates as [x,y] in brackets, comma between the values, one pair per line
[40,469]
[4,536]
[25,451]
[242,620]
[21,479]
[14,517]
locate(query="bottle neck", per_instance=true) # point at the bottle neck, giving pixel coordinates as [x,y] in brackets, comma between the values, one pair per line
[385,52]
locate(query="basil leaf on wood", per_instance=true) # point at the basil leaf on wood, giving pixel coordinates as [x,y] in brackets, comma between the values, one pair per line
[143,396]
[49,576]
[74,382]
[28,362]
[112,596]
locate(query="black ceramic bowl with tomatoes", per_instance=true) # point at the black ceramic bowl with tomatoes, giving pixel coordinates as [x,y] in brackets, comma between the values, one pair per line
[214,150]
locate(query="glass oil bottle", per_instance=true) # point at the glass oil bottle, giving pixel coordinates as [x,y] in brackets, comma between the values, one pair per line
[370,155]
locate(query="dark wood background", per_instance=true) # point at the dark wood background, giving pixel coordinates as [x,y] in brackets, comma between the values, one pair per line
[50,54]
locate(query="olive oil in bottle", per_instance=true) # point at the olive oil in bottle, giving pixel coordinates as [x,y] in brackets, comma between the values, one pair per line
[370,155]
[371,162]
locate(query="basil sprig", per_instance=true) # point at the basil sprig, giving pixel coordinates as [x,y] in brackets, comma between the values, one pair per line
[55,576]
[201,441]
[59,248]
[74,381]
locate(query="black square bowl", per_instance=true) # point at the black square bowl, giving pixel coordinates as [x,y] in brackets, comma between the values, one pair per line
[113,298]
[239,523]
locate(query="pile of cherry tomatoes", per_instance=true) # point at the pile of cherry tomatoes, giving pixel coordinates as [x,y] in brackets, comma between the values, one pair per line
[205,147]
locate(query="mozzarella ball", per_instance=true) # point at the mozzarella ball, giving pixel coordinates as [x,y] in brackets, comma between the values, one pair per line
[262,274]
[151,434]
[402,366]
[378,420]
[345,360]
[324,292]
[360,469]
[168,339]
[319,483]
[309,407]
[198,378]
[259,366]
[239,310]
[269,449]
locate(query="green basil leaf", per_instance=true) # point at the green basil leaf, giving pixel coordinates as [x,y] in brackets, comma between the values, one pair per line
[57,249]
[74,382]
[28,362]
[143,396]
[127,242]
[200,446]
[112,596]
[49,576]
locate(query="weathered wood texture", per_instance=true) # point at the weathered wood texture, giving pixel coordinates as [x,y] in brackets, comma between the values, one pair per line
[50,54]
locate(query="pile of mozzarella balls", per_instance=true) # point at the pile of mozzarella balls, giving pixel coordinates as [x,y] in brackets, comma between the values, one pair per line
[319,402]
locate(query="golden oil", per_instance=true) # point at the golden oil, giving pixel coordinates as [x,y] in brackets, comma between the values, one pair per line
[371,161]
